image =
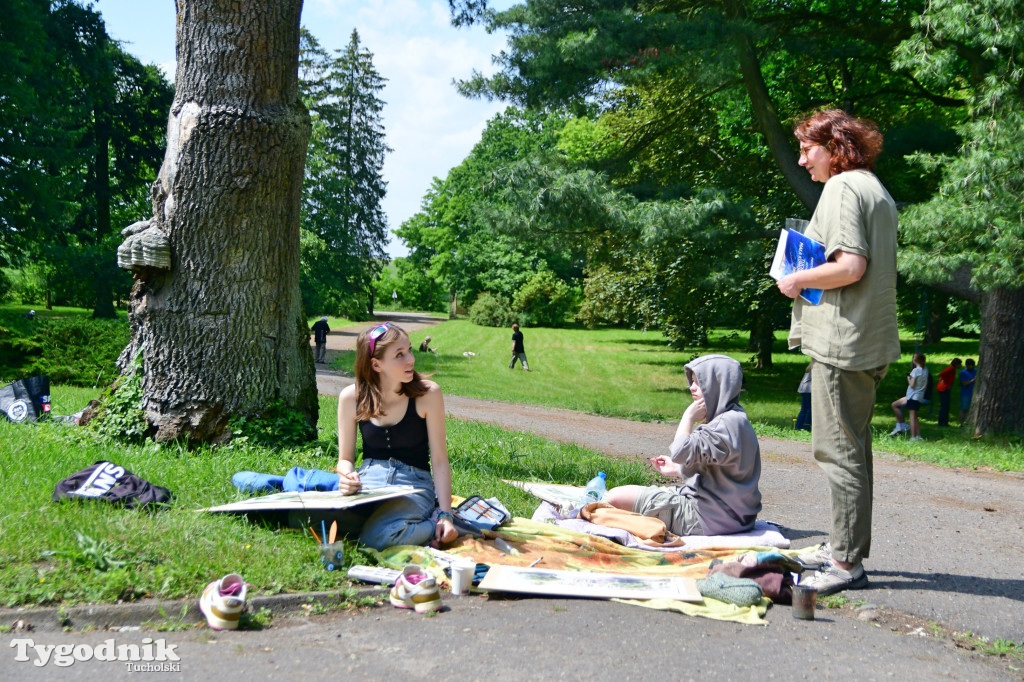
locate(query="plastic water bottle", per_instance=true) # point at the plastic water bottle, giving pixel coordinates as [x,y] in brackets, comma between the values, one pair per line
[596,489]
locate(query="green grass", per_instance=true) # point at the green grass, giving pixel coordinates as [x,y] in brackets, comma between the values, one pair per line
[80,551]
[58,311]
[86,551]
[634,375]
[342,322]
[335,322]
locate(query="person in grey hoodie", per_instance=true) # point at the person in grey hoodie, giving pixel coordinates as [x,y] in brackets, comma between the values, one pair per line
[715,452]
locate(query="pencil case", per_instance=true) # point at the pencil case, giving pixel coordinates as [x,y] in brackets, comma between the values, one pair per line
[482,514]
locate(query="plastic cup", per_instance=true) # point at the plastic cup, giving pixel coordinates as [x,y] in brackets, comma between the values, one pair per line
[462,577]
[332,555]
[804,601]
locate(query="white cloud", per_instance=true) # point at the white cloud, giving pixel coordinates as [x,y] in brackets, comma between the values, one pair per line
[428,124]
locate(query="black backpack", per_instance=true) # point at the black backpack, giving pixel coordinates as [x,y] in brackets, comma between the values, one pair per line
[26,399]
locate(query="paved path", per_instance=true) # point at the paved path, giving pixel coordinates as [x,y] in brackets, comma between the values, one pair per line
[948,555]
[948,544]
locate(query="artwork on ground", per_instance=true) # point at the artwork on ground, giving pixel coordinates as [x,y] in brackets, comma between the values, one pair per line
[592,585]
[563,497]
[312,499]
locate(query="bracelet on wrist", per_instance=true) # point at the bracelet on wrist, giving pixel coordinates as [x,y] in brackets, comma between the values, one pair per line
[442,514]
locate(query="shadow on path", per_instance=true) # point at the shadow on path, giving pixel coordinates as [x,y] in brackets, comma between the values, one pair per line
[948,582]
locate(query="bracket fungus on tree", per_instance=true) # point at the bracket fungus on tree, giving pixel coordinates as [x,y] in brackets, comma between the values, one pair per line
[145,249]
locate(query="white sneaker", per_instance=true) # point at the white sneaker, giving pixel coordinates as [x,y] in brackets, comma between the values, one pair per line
[223,602]
[832,579]
[416,589]
[916,438]
[901,427]
[821,556]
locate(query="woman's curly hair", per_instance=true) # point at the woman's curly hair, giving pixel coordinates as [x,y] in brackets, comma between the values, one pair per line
[853,142]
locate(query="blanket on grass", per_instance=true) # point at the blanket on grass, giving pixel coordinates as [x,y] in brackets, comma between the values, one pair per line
[762,535]
[566,549]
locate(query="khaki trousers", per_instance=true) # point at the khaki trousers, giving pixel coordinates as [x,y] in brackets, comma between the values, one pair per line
[842,404]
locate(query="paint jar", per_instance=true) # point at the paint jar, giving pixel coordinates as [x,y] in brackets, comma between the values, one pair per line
[332,554]
[804,601]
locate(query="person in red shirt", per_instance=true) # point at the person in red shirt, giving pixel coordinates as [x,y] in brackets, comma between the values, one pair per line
[945,389]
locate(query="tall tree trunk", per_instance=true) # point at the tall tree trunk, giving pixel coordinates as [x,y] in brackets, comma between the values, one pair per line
[103,306]
[762,339]
[998,402]
[223,332]
[780,140]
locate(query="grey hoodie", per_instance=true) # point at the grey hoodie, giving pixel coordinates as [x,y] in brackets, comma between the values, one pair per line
[721,459]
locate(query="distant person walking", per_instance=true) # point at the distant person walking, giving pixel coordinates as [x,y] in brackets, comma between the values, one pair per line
[320,332]
[945,389]
[852,333]
[518,351]
[968,375]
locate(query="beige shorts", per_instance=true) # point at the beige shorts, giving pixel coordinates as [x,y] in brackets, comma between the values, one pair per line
[676,511]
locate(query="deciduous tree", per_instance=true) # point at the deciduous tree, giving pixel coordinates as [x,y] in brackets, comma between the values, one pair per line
[219,325]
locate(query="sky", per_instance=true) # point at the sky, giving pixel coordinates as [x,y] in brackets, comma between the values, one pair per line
[430,127]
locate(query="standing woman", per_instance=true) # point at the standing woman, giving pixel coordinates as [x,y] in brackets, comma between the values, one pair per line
[851,334]
[400,416]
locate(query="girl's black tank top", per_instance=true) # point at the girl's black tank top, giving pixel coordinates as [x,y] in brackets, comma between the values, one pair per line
[406,441]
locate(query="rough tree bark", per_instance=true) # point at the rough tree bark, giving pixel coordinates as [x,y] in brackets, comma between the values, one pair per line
[998,402]
[222,332]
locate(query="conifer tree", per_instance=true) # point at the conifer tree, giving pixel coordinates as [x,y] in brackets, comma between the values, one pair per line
[345,229]
[968,238]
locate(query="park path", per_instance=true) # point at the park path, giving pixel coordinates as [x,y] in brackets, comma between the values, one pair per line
[948,544]
[948,547]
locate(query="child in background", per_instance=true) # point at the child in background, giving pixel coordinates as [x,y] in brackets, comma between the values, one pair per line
[400,416]
[715,452]
[968,375]
[945,389]
[803,420]
[917,379]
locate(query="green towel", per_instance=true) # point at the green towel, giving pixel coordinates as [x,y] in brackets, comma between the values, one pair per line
[738,591]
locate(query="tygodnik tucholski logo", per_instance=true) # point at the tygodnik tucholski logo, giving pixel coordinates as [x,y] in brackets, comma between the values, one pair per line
[149,656]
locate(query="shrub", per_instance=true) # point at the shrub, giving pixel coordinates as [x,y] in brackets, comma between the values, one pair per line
[120,415]
[5,285]
[278,426]
[27,286]
[70,350]
[544,301]
[489,310]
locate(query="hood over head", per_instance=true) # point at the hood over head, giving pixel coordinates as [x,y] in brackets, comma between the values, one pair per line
[720,379]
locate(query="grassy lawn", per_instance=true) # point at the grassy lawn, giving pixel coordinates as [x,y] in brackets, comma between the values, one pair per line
[82,551]
[73,552]
[334,322]
[632,374]
[57,311]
